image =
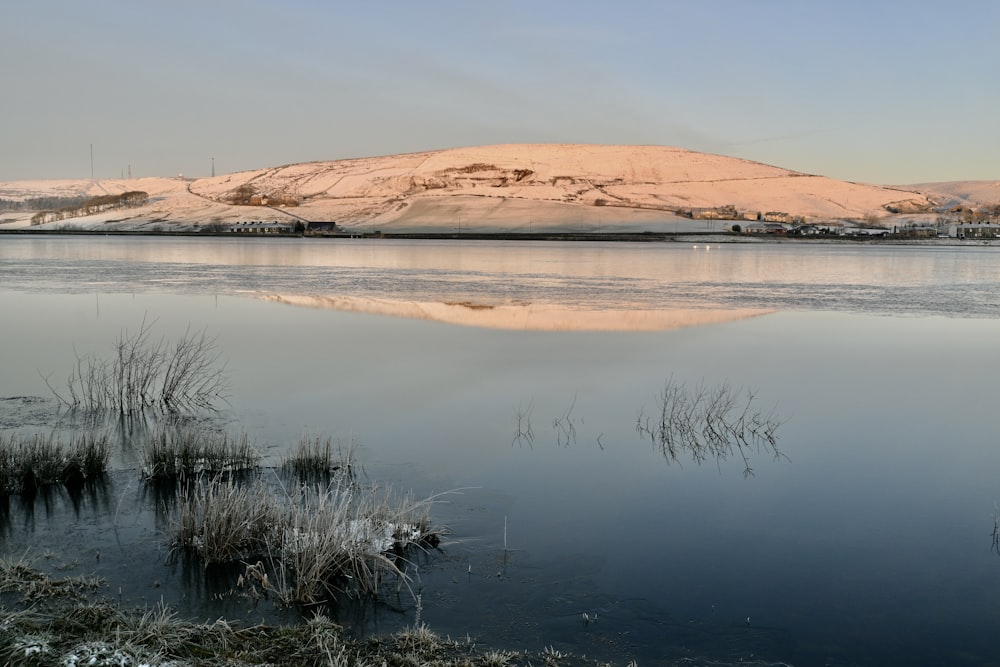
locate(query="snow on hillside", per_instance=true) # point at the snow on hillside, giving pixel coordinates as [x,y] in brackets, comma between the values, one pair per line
[961,193]
[515,187]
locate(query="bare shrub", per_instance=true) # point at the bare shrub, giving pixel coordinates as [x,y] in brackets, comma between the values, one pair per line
[242,194]
[146,374]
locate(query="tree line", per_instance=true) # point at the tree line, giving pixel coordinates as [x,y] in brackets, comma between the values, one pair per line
[40,203]
[91,206]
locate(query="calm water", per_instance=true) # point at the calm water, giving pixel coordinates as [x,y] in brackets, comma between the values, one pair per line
[869,545]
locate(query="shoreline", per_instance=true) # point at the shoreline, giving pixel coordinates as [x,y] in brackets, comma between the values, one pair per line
[618,237]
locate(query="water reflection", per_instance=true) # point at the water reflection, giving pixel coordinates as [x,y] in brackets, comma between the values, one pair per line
[950,280]
[526,316]
[435,407]
[91,496]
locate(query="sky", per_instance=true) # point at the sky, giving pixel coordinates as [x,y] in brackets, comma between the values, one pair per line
[875,91]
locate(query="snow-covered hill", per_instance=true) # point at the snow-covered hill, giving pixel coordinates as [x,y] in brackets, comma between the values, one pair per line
[516,187]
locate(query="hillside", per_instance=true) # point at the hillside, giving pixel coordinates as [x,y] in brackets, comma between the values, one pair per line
[972,194]
[518,187]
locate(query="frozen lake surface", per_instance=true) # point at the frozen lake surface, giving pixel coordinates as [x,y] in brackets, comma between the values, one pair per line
[869,544]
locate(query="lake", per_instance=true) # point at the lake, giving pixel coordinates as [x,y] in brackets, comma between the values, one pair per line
[867,543]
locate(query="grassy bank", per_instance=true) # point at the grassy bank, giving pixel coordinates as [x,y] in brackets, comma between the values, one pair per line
[70,621]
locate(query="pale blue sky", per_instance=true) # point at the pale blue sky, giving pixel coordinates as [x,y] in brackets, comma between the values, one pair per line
[883,91]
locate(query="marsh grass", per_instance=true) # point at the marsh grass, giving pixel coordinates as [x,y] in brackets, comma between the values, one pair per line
[995,534]
[20,581]
[316,460]
[33,463]
[347,540]
[711,423]
[223,521]
[183,453]
[565,426]
[308,546]
[78,630]
[523,433]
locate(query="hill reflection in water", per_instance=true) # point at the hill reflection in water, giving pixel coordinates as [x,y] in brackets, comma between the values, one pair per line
[526,316]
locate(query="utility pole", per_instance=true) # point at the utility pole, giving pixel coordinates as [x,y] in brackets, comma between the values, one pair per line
[91,161]
[213,167]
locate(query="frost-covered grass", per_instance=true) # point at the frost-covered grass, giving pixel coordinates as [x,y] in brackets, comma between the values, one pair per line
[91,631]
[309,544]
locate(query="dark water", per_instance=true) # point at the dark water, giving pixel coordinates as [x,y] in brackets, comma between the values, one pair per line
[870,544]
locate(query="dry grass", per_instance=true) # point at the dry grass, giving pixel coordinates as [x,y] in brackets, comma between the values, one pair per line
[32,463]
[20,580]
[312,545]
[225,522]
[343,539]
[183,453]
[317,460]
[72,631]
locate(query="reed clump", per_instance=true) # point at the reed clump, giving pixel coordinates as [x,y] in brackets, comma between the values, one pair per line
[307,546]
[711,423]
[316,459]
[182,453]
[348,540]
[35,462]
[226,522]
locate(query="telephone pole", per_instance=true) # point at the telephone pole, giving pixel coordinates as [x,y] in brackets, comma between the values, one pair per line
[91,161]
